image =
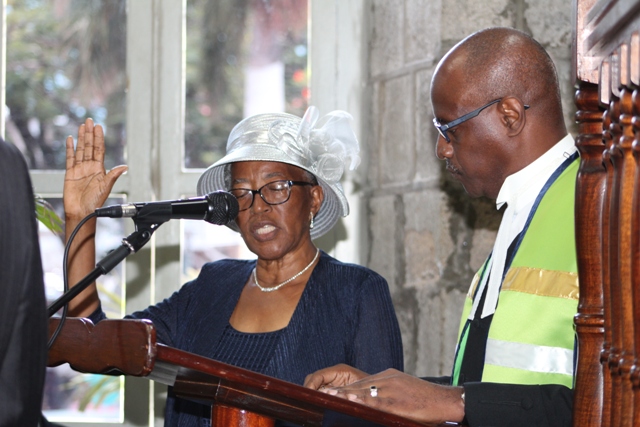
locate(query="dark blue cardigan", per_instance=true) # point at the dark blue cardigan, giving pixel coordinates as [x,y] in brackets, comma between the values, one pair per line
[345,315]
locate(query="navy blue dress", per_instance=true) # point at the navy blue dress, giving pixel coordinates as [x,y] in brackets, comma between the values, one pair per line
[345,315]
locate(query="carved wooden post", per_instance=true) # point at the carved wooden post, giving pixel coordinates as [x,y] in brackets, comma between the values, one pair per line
[635,251]
[607,52]
[634,255]
[608,345]
[625,170]
[617,342]
[591,386]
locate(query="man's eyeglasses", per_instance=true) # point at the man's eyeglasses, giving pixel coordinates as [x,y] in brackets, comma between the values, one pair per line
[273,193]
[444,127]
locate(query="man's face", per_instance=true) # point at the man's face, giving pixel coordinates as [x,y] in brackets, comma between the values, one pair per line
[473,154]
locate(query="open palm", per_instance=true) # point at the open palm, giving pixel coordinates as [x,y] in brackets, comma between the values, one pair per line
[86,184]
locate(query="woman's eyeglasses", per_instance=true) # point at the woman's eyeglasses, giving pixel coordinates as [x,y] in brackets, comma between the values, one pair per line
[273,193]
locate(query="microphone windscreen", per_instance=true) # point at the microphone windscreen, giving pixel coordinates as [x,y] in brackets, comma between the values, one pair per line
[223,208]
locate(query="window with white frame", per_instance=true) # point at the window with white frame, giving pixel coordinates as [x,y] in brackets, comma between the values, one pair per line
[167,79]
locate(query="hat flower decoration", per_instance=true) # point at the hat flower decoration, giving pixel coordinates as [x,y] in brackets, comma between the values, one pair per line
[324,146]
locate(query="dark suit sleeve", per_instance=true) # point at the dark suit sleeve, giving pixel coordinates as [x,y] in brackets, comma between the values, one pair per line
[23,327]
[438,380]
[491,404]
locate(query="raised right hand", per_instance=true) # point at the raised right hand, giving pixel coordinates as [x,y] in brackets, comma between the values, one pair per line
[86,187]
[86,183]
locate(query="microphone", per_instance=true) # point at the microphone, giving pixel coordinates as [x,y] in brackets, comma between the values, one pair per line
[218,208]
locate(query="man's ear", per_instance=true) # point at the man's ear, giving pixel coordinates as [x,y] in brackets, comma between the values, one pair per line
[512,111]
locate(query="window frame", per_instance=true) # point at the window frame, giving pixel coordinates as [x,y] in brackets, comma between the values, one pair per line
[156,40]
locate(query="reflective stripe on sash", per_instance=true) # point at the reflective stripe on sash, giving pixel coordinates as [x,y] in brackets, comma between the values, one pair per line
[541,282]
[529,357]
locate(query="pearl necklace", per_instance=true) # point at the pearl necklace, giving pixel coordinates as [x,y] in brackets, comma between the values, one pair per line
[275,288]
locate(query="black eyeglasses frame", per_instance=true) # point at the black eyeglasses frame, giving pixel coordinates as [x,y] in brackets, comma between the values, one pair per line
[259,191]
[444,127]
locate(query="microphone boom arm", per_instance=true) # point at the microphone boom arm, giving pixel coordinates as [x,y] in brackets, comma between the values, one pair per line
[132,243]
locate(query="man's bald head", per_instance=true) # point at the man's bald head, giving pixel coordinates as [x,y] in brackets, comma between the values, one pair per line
[496,101]
[499,62]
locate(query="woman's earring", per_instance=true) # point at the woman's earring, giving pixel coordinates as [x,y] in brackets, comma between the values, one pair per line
[311,215]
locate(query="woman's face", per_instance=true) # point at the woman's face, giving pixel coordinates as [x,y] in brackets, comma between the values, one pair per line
[273,231]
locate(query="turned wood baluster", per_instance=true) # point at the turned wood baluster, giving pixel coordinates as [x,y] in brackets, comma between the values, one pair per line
[634,228]
[634,254]
[610,393]
[607,50]
[624,166]
[614,155]
[622,162]
[592,388]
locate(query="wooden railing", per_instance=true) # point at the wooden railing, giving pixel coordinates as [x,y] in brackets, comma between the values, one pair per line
[607,73]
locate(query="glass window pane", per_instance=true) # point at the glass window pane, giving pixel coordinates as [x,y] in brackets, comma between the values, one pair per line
[244,57]
[65,62]
[69,395]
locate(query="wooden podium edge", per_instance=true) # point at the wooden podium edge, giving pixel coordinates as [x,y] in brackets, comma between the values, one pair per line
[129,347]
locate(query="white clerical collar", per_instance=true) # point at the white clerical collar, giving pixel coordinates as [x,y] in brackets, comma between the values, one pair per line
[528,181]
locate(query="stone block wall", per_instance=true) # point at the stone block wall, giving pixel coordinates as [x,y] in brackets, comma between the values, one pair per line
[425,235]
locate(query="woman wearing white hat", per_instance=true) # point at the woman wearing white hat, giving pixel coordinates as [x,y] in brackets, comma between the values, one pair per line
[295,309]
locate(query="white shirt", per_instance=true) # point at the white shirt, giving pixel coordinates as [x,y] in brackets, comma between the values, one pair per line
[519,191]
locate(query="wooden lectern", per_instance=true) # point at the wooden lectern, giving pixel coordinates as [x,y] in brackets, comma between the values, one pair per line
[238,397]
